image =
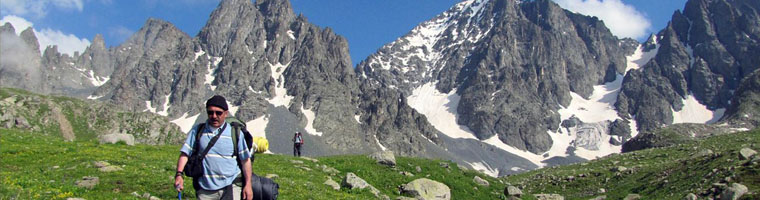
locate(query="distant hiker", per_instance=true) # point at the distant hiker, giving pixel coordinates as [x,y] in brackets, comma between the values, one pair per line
[218,173]
[297,143]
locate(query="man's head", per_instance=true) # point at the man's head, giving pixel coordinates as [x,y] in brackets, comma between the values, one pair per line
[216,108]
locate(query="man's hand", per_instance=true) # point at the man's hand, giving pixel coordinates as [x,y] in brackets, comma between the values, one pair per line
[179,183]
[247,192]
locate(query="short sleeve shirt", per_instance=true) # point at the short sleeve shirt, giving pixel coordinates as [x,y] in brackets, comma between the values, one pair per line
[220,167]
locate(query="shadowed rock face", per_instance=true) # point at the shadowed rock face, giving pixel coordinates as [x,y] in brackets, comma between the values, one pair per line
[50,72]
[236,54]
[705,51]
[513,64]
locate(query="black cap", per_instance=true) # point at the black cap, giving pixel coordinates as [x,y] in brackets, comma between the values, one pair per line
[217,101]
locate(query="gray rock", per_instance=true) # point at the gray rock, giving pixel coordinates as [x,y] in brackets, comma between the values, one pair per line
[480,181]
[736,191]
[632,197]
[418,169]
[424,188]
[298,162]
[384,158]
[22,123]
[549,197]
[329,170]
[117,137]
[512,191]
[618,169]
[101,164]
[6,116]
[334,185]
[746,153]
[703,153]
[351,181]
[405,173]
[88,182]
[110,169]
[603,197]
[444,164]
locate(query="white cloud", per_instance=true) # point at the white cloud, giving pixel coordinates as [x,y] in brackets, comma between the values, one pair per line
[20,24]
[622,20]
[38,8]
[67,43]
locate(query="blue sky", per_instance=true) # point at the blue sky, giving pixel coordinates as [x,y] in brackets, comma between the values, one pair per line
[367,24]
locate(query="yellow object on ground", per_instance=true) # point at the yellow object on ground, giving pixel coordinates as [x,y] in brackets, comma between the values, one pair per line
[261,144]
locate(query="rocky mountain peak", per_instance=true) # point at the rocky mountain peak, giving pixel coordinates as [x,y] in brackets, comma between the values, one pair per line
[488,53]
[8,28]
[705,52]
[98,42]
[276,10]
[30,39]
[154,33]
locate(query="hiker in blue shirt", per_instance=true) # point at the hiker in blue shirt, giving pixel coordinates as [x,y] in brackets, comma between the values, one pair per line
[221,177]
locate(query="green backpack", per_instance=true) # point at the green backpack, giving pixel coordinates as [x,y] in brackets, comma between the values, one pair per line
[237,127]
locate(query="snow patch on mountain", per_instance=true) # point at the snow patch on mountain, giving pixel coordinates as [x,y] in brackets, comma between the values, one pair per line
[95,97]
[440,110]
[164,112]
[310,117]
[166,106]
[210,75]
[485,168]
[420,42]
[290,34]
[695,112]
[639,58]
[258,126]
[281,97]
[358,118]
[97,80]
[534,158]
[185,122]
[599,107]
[198,54]
[383,148]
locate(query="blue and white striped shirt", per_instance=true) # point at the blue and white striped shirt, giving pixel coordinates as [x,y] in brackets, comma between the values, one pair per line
[219,166]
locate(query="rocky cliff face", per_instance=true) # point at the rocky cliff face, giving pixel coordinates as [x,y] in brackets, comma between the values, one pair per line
[20,66]
[51,72]
[705,51]
[259,55]
[513,65]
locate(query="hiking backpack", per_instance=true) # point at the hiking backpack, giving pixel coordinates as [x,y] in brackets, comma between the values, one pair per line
[237,127]
[263,188]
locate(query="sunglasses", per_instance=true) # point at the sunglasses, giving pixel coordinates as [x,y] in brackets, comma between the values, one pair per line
[218,113]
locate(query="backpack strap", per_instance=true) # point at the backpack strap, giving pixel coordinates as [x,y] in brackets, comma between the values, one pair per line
[236,127]
[235,135]
[198,131]
[212,142]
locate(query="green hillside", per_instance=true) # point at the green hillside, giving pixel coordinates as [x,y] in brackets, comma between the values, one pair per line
[37,162]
